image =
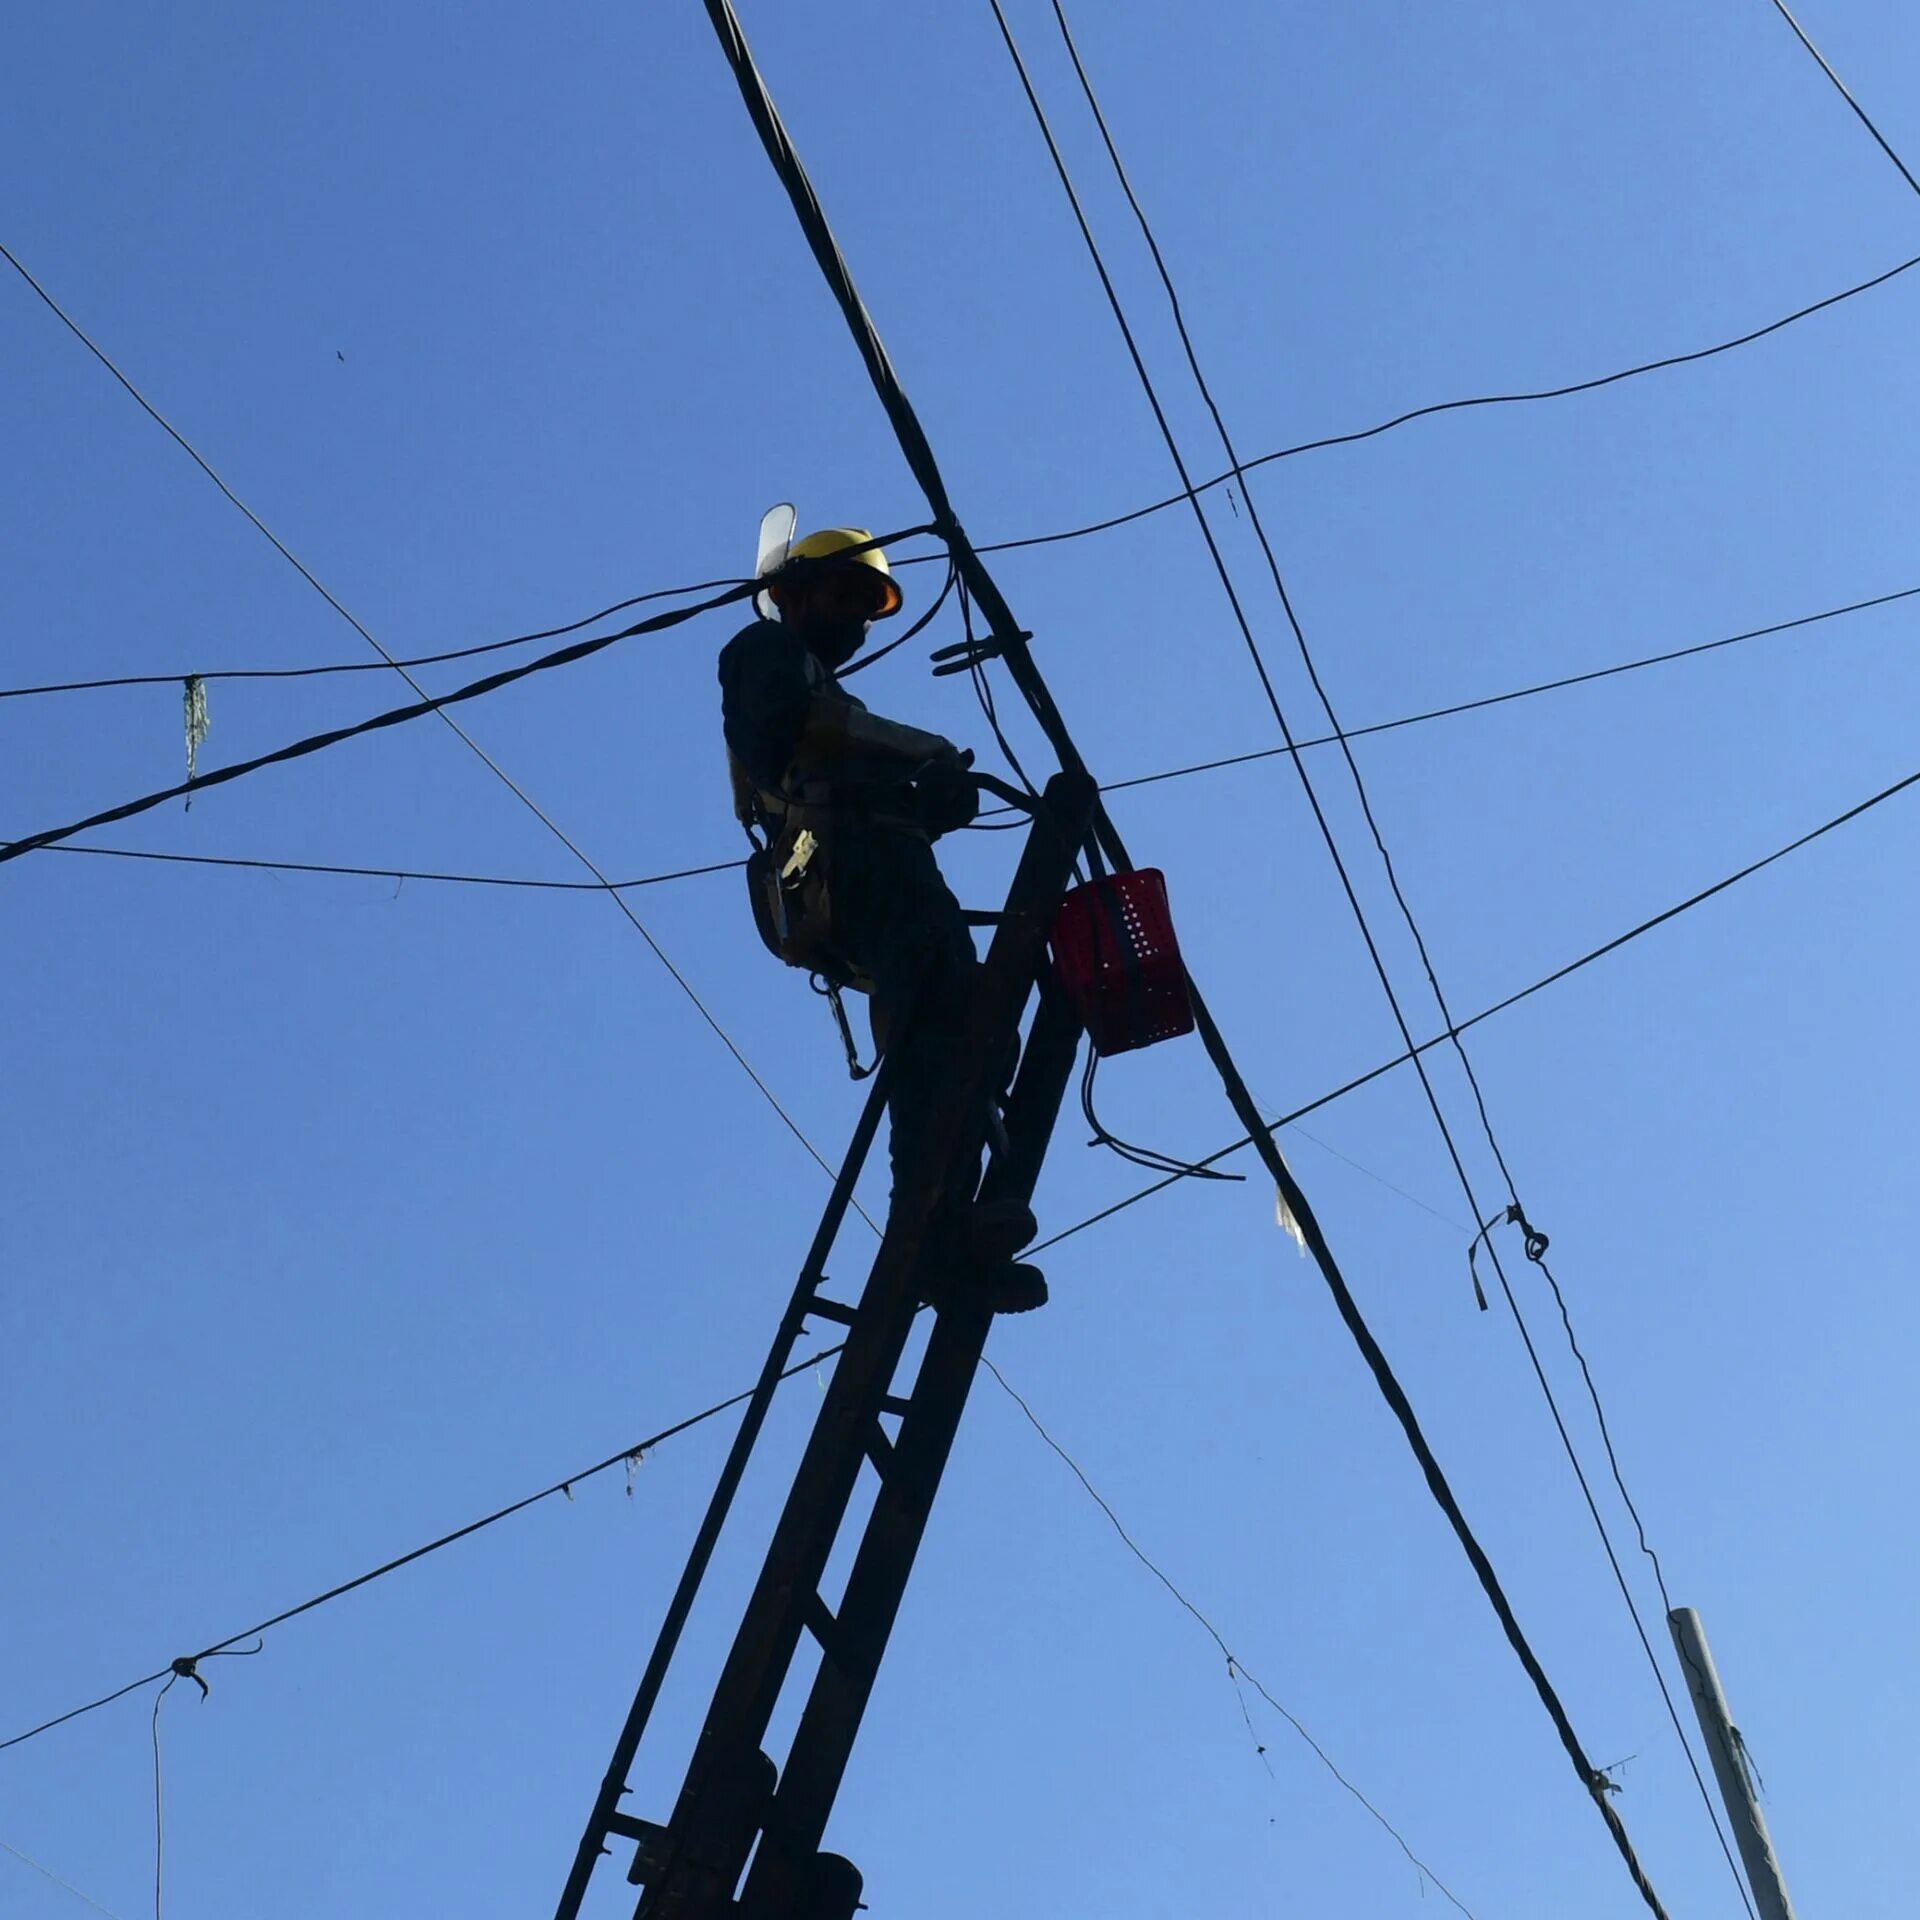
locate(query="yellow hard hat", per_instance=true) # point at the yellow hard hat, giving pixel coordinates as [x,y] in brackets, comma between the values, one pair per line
[831,540]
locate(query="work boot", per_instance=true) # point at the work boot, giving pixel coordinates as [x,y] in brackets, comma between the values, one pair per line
[998,1229]
[1001,1286]
[1014,1286]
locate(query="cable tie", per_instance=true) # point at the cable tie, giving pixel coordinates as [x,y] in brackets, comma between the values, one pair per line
[1473,1249]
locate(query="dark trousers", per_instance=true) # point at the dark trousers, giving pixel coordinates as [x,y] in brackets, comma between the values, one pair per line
[894,917]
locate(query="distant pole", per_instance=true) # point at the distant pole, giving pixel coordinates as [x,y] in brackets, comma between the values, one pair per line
[1730,1766]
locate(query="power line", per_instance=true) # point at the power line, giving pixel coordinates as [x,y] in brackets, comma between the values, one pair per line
[1516,398]
[1840,87]
[431,705]
[393,717]
[1499,1006]
[1234,1662]
[1393,881]
[998,546]
[366,666]
[403,873]
[1458,406]
[1115,786]
[1299,1113]
[1517,693]
[1010,642]
[626,1455]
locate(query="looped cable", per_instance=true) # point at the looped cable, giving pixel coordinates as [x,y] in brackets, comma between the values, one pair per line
[1533,1242]
[1148,1157]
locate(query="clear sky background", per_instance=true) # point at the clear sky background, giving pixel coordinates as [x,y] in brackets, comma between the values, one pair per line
[338,1213]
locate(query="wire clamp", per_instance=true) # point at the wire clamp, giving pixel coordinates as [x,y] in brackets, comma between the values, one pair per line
[964,656]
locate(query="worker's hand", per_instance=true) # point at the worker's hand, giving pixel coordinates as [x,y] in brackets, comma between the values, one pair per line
[946,798]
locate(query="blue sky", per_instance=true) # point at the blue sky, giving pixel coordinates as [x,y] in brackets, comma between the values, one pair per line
[341,1213]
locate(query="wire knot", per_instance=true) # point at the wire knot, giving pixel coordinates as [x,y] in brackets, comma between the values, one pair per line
[1533,1242]
[187,1667]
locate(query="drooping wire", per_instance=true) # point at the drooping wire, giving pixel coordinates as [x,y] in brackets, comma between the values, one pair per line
[1380,845]
[1455,406]
[1234,1663]
[558,1487]
[913,632]
[159,1821]
[1148,1157]
[983,693]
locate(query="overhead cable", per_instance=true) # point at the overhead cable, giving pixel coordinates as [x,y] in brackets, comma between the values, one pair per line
[1234,1663]
[1840,86]
[431,705]
[1453,406]
[1010,642]
[1112,786]
[564,1487]
[1499,1006]
[366,666]
[1311,666]
[393,717]
[403,873]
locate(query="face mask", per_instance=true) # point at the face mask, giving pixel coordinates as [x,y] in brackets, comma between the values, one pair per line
[835,645]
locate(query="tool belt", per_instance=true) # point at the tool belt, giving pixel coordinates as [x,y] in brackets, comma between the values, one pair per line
[790,883]
[791,880]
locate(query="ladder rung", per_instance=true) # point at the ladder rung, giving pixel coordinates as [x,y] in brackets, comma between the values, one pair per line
[649,1838]
[892,1403]
[820,1623]
[831,1309]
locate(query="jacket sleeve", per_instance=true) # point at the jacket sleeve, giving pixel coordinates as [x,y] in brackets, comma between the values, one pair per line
[764,699]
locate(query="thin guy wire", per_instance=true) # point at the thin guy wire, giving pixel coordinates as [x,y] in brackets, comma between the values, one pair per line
[492,765]
[1587,959]
[1420,945]
[1214,1634]
[1840,86]
[399,873]
[66,1886]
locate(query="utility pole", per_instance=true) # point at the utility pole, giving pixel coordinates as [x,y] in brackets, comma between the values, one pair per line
[1730,1766]
[880,1416]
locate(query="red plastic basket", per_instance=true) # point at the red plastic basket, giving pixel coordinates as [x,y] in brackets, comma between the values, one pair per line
[1114,949]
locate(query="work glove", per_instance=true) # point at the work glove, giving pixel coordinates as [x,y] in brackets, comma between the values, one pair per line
[945,797]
